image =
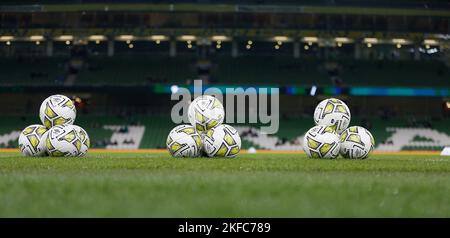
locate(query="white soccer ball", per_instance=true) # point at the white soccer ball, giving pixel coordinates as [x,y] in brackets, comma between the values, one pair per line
[184,141]
[205,112]
[332,112]
[32,140]
[356,143]
[57,110]
[222,141]
[321,142]
[85,141]
[63,140]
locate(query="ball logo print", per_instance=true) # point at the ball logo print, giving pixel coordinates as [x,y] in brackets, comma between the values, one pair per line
[32,140]
[57,110]
[332,112]
[184,141]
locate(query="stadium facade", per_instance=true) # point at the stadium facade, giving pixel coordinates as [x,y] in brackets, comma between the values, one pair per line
[121,60]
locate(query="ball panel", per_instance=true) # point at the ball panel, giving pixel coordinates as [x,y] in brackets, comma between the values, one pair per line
[315,155]
[234,151]
[197,140]
[326,147]
[222,151]
[49,145]
[313,144]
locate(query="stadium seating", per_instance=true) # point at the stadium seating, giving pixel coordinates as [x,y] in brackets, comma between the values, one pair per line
[136,70]
[31,71]
[414,138]
[154,134]
[128,137]
[140,70]
[288,71]
[151,131]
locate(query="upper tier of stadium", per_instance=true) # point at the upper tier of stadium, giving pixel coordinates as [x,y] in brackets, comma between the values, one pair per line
[251,42]
[112,16]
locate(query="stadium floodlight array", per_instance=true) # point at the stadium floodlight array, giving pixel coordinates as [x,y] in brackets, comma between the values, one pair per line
[206,135]
[315,38]
[57,136]
[331,136]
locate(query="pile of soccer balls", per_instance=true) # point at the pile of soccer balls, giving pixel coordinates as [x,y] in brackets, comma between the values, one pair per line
[206,134]
[57,136]
[331,137]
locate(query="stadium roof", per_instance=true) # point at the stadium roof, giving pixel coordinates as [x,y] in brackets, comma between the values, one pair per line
[190,7]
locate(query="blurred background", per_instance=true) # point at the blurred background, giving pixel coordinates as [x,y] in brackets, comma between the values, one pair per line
[120,60]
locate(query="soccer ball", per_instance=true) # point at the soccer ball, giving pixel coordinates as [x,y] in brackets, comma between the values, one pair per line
[356,143]
[205,112]
[63,140]
[57,110]
[85,141]
[222,141]
[32,140]
[332,112]
[184,141]
[321,142]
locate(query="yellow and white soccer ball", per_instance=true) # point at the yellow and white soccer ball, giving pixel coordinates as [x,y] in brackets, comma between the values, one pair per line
[356,143]
[57,110]
[332,112]
[63,140]
[184,141]
[321,142]
[205,112]
[85,141]
[222,141]
[32,140]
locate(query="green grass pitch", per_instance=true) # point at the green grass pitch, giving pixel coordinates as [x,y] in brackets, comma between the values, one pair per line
[252,185]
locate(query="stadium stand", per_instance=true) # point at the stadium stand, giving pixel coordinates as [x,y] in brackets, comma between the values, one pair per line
[136,70]
[141,70]
[288,71]
[414,138]
[127,137]
[117,132]
[31,71]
